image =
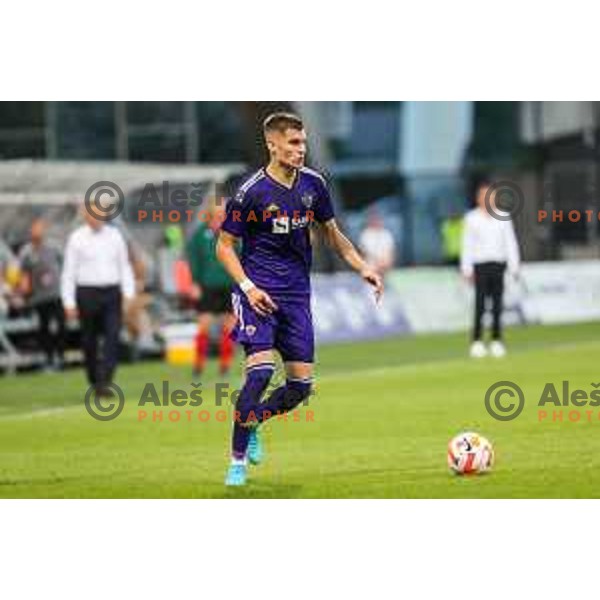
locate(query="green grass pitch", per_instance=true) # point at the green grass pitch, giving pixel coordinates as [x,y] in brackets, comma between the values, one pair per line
[383,414]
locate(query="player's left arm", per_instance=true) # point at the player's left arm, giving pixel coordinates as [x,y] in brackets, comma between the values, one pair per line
[346,250]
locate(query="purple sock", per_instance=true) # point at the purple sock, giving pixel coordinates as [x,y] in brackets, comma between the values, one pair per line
[248,403]
[239,441]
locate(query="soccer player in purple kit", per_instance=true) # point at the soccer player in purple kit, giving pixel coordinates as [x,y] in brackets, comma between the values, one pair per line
[271,213]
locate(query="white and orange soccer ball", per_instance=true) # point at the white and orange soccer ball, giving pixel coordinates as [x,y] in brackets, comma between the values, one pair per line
[470,453]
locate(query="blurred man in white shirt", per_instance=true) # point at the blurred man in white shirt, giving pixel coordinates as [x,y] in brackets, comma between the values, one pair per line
[378,245]
[96,277]
[489,249]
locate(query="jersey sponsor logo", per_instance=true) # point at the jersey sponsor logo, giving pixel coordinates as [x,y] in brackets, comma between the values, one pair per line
[281,225]
[301,222]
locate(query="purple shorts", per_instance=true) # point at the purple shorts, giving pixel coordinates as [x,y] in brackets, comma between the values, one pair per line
[289,329]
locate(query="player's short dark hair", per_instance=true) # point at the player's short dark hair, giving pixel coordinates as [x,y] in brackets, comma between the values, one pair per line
[280,121]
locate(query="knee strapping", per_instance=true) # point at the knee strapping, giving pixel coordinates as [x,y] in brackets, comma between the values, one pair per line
[297,391]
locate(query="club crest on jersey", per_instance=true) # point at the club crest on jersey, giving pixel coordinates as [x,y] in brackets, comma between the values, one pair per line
[308,200]
[250,330]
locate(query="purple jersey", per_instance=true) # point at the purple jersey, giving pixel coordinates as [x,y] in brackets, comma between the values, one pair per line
[273,222]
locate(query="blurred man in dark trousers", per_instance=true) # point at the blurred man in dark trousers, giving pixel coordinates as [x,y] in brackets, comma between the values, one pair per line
[489,249]
[211,291]
[41,265]
[97,276]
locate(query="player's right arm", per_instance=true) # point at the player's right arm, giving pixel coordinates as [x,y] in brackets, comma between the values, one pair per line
[234,226]
[227,255]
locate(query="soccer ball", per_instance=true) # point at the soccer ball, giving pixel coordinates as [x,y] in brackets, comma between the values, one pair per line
[470,453]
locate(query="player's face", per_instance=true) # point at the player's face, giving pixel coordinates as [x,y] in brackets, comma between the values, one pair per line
[288,148]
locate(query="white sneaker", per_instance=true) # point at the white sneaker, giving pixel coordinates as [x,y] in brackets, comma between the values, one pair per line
[497,349]
[478,350]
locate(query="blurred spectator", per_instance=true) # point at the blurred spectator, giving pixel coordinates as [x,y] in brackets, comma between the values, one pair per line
[452,228]
[96,278]
[489,248]
[377,244]
[41,263]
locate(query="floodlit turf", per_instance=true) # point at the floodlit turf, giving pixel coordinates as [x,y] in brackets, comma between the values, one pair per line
[383,415]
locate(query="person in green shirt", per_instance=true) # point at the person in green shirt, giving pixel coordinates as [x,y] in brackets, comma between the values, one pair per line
[211,292]
[452,229]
